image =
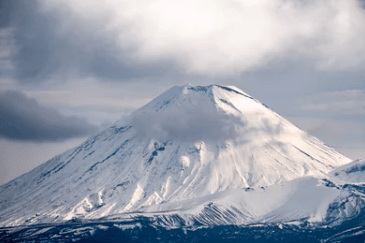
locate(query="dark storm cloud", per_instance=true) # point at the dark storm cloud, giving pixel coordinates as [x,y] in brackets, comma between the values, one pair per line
[123,40]
[22,118]
[59,44]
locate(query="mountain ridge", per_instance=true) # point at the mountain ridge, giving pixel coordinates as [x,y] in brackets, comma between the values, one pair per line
[190,143]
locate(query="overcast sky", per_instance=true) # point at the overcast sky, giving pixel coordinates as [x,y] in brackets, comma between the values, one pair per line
[69,68]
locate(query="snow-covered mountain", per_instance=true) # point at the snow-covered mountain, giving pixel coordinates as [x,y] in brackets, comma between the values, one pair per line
[212,155]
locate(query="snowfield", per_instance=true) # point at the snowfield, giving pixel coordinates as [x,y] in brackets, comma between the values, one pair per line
[210,155]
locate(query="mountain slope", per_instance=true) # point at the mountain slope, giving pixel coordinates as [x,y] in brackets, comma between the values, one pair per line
[193,144]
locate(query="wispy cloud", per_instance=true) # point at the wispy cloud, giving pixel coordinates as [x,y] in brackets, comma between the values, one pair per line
[185,123]
[193,116]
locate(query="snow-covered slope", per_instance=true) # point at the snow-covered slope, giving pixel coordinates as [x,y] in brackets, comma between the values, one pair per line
[353,172]
[189,147]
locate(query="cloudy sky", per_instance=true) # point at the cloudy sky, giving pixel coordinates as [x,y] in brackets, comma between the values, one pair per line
[69,67]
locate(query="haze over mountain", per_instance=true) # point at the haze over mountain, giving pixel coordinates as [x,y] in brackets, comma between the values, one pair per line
[191,151]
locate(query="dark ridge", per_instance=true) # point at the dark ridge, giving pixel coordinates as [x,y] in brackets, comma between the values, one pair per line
[126,142]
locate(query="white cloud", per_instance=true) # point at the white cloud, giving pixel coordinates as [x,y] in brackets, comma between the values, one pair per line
[187,123]
[227,37]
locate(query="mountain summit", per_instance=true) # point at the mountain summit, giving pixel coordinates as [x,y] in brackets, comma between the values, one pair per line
[189,147]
